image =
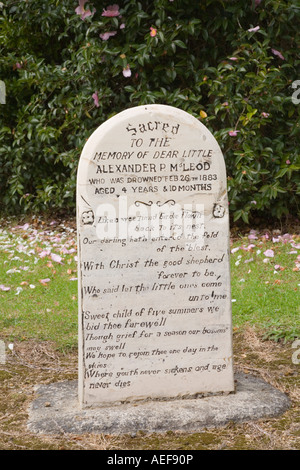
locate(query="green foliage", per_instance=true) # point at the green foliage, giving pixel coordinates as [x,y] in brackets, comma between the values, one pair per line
[198,56]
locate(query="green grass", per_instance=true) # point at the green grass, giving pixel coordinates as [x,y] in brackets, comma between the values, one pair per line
[263,295]
[41,311]
[266,293]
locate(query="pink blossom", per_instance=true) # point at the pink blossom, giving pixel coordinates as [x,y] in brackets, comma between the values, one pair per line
[153,32]
[269,253]
[233,133]
[253,202]
[233,58]
[96,99]
[288,162]
[111,11]
[288,237]
[107,35]
[82,12]
[278,54]
[127,71]
[265,115]
[18,65]
[122,26]
[253,30]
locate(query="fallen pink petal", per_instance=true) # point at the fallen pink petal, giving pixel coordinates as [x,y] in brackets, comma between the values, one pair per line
[253,235]
[233,133]
[249,247]
[44,281]
[4,288]
[253,30]
[56,258]
[269,253]
[297,246]
[12,271]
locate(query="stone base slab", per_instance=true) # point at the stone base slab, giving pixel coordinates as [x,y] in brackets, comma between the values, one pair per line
[55,410]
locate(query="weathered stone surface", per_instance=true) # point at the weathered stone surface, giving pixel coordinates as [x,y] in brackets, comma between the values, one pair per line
[153,241]
[56,409]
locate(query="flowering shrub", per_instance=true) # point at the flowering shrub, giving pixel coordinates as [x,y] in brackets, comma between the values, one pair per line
[70,65]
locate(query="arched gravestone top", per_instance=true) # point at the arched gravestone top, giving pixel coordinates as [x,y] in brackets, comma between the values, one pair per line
[153,247]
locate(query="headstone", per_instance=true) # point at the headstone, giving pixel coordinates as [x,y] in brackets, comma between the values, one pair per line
[153,260]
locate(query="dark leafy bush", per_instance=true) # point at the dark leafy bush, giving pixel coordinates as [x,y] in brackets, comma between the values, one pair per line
[231,64]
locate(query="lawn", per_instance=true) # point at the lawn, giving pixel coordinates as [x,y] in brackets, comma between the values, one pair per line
[265,283]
